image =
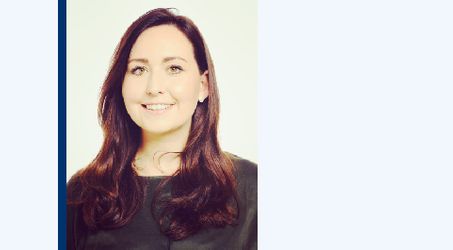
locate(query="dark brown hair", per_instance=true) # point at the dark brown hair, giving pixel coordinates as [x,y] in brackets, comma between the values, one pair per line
[202,190]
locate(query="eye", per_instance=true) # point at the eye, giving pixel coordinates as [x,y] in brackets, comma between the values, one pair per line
[138,70]
[175,69]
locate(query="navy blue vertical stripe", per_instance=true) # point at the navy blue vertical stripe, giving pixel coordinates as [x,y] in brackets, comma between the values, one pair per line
[61,124]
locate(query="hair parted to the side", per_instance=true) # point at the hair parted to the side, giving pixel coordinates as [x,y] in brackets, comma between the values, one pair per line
[203,190]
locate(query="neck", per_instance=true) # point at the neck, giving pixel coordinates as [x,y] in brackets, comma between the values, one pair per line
[173,141]
[155,155]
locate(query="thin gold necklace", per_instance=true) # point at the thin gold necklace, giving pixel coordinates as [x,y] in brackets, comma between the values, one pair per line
[134,165]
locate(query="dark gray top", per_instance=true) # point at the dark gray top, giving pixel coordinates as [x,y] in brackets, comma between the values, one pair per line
[142,232]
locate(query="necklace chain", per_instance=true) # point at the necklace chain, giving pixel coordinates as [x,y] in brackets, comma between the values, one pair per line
[134,165]
[154,166]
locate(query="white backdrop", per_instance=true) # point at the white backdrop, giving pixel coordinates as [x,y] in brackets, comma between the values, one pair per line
[94,29]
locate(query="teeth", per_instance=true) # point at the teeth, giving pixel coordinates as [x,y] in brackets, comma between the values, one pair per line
[157,106]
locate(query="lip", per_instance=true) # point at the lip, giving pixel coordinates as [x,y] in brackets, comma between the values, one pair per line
[154,103]
[156,112]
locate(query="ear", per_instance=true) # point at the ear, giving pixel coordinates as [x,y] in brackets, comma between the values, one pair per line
[204,87]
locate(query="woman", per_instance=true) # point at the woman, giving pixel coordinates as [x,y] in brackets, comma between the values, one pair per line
[161,180]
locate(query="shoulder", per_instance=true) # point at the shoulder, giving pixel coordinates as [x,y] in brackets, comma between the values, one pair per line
[244,168]
[246,172]
[73,187]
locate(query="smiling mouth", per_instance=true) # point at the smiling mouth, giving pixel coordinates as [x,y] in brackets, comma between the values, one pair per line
[156,107]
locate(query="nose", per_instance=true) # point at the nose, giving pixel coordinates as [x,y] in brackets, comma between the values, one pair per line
[154,85]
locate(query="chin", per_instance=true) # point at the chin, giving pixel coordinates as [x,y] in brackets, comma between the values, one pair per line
[161,129]
[157,130]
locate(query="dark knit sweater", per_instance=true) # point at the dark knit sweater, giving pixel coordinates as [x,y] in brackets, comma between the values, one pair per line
[142,232]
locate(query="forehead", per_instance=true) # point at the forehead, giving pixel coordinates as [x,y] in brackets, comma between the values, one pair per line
[161,41]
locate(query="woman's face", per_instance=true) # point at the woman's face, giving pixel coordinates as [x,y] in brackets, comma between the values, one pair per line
[163,84]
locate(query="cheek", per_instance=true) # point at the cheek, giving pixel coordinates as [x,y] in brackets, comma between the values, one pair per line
[130,99]
[130,93]
[187,92]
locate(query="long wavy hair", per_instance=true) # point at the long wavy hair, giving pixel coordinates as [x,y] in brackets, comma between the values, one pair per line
[203,190]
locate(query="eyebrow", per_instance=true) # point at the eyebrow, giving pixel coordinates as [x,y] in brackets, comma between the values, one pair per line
[166,59]
[142,60]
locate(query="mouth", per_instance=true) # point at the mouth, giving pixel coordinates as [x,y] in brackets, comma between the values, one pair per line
[157,107]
